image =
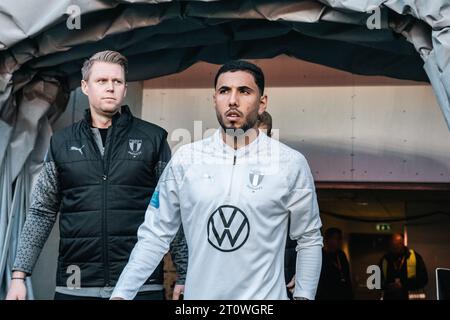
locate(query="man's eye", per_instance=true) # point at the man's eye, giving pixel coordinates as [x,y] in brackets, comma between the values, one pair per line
[245,91]
[101,81]
[223,91]
[118,82]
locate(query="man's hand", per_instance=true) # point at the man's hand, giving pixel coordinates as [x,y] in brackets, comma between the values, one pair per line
[177,291]
[291,285]
[394,286]
[17,290]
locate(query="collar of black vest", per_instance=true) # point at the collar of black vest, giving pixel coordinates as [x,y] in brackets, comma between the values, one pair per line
[120,119]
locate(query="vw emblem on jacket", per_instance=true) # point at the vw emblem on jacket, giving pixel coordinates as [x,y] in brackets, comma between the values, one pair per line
[135,147]
[228,228]
[255,178]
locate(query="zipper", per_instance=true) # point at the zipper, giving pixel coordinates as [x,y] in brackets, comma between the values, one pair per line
[106,161]
[105,164]
[232,174]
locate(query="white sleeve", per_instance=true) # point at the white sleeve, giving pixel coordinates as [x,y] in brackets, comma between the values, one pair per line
[162,221]
[305,227]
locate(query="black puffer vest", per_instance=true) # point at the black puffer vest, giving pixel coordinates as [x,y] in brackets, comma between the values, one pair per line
[104,199]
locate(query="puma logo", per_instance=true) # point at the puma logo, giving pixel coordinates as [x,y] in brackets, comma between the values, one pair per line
[77,149]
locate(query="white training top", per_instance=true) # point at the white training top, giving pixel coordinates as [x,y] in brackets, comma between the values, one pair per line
[234,206]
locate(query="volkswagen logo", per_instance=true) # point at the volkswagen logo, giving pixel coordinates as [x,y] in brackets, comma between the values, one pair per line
[228,228]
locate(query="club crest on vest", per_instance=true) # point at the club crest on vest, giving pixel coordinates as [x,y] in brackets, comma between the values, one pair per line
[255,178]
[135,147]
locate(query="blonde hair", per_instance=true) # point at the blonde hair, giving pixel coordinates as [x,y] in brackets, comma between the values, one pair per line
[104,56]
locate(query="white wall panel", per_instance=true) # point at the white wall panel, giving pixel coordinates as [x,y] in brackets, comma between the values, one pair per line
[348,133]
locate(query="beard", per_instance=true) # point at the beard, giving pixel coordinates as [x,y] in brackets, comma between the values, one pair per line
[249,123]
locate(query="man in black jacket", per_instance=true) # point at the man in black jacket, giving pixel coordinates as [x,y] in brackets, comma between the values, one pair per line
[100,174]
[403,270]
[335,280]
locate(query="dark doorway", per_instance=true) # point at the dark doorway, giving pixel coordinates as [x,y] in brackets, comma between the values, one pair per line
[366,250]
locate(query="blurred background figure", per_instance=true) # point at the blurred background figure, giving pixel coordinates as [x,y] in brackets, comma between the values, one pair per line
[290,256]
[403,270]
[335,281]
[265,123]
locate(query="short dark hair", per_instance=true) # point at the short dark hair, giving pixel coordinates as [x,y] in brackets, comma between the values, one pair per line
[241,65]
[332,231]
[266,118]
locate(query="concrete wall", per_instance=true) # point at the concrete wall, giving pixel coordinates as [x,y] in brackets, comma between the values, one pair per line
[355,133]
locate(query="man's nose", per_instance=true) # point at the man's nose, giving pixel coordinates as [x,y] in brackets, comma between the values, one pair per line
[233,98]
[110,86]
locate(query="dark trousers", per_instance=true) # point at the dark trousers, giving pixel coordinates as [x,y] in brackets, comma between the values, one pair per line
[147,295]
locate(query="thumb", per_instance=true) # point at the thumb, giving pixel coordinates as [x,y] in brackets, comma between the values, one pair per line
[176,294]
[291,283]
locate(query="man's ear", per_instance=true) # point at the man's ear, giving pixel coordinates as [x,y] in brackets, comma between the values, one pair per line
[84,87]
[262,104]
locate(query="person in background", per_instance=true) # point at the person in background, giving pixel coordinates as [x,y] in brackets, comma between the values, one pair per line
[403,270]
[335,280]
[265,125]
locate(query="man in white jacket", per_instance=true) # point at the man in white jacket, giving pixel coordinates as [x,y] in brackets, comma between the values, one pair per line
[233,192]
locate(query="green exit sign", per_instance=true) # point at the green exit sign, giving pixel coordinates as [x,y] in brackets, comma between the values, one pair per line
[383,227]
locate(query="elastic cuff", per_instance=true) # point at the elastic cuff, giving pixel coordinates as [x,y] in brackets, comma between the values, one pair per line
[27,271]
[120,294]
[303,294]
